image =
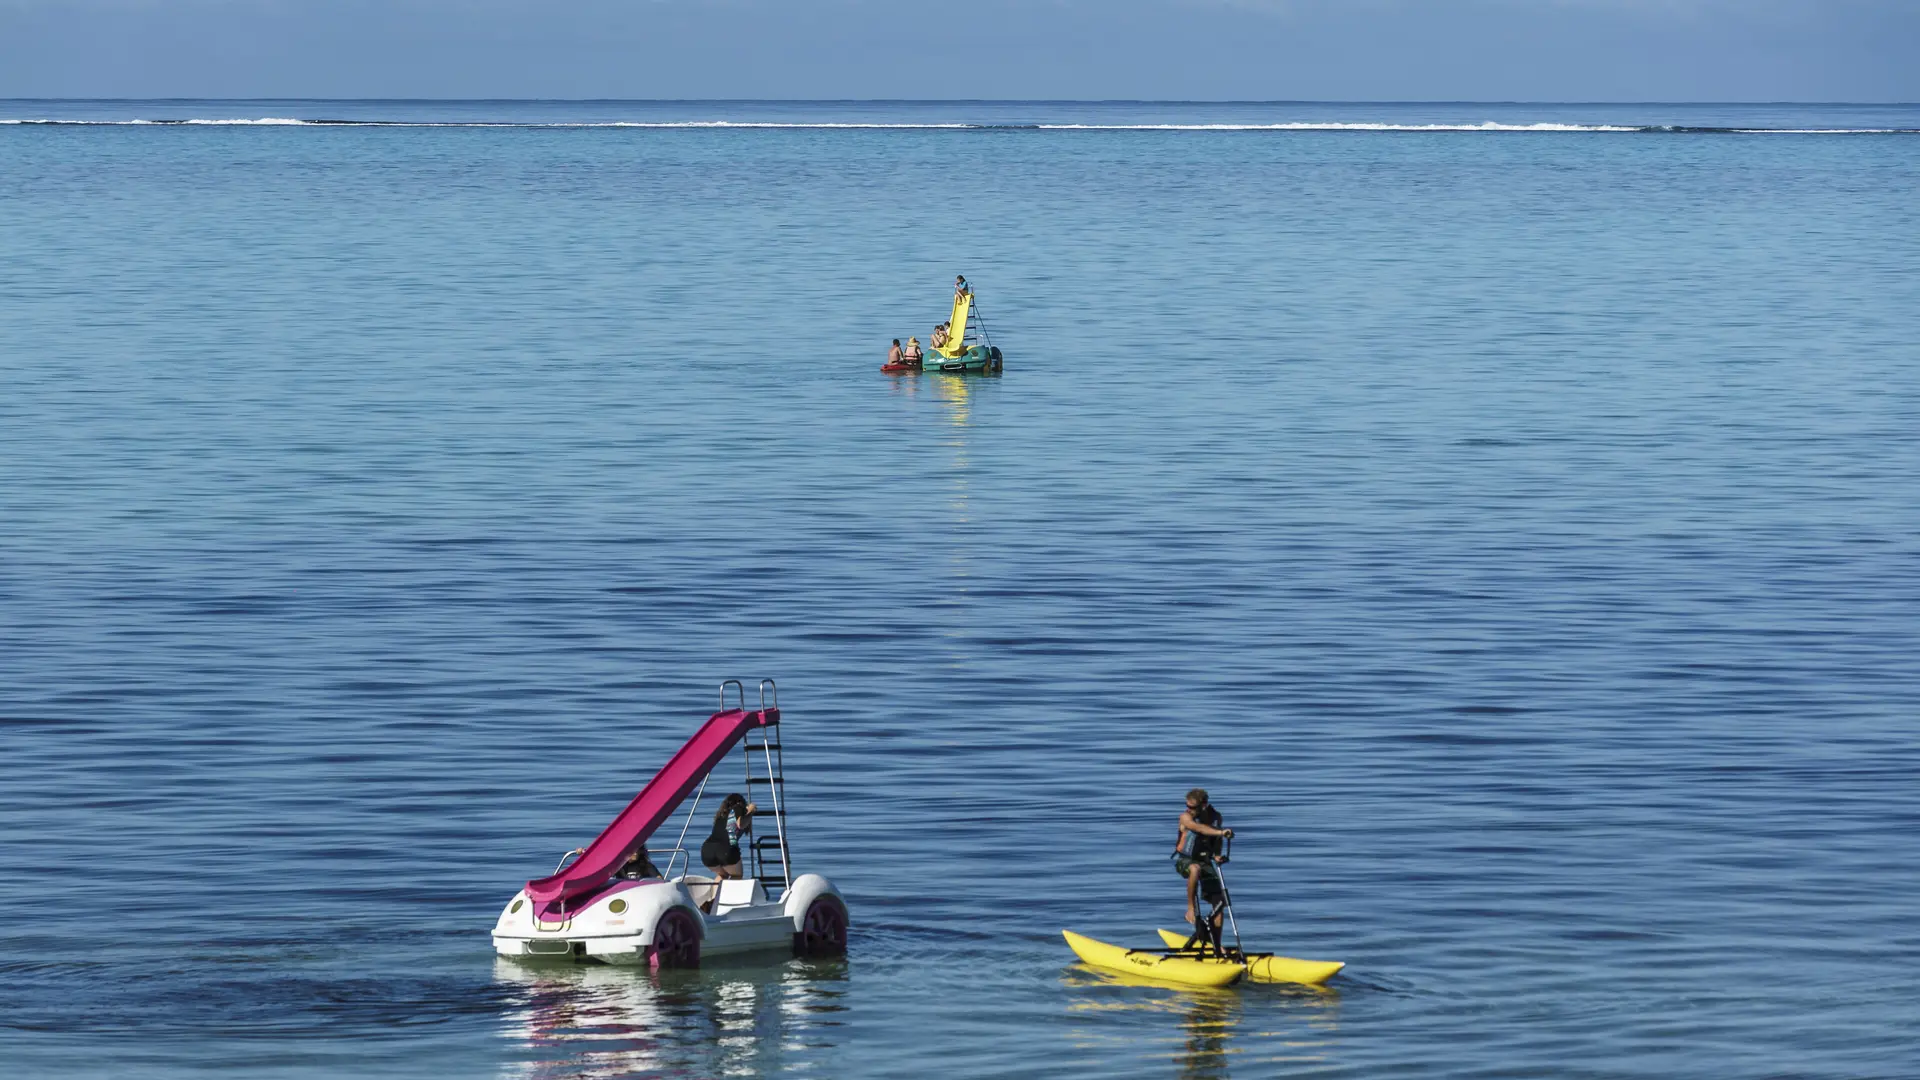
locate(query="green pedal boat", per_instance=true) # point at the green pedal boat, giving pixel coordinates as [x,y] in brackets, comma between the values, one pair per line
[968,351]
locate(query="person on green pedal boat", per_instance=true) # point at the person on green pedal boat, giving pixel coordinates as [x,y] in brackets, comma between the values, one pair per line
[1196,854]
[960,286]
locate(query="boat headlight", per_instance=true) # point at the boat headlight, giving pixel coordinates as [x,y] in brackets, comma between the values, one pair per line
[517,905]
[618,906]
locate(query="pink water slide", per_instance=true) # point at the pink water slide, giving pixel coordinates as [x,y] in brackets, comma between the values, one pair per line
[651,808]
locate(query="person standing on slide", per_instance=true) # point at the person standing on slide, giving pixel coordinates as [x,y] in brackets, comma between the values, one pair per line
[1196,853]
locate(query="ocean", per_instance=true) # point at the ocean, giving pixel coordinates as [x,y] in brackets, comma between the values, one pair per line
[1506,511]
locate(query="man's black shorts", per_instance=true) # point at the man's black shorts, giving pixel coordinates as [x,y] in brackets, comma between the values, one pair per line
[1209,877]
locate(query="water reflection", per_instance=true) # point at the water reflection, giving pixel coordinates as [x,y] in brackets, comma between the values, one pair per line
[1205,1032]
[1209,1025]
[956,393]
[586,1021]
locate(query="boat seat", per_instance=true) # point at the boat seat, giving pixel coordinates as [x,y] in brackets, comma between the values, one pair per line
[739,892]
[701,889]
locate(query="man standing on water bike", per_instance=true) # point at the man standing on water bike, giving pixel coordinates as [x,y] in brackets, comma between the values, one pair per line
[1196,854]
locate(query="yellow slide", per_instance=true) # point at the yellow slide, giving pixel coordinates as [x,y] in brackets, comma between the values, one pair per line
[957,327]
[1274,969]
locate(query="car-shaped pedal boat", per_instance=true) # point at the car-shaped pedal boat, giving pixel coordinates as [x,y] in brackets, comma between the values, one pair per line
[597,906]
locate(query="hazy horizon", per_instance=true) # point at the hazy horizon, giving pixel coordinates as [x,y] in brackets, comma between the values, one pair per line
[972,100]
[1548,51]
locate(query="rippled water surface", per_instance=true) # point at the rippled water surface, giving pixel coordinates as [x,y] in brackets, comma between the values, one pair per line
[1516,531]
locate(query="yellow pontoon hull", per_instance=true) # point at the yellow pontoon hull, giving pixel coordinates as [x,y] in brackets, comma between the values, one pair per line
[1177,970]
[1274,969]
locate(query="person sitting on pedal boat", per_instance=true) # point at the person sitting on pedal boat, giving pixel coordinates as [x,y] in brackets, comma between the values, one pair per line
[638,867]
[960,286]
[1196,853]
[721,851]
[940,336]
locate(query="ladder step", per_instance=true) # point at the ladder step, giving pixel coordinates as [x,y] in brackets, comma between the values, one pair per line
[765,780]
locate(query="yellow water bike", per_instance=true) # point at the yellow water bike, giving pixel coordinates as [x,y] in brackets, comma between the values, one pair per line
[1201,958]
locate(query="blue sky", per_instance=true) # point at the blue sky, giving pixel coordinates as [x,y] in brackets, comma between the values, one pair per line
[1553,50]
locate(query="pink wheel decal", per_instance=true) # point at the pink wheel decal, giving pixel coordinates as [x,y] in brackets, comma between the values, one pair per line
[676,941]
[823,929]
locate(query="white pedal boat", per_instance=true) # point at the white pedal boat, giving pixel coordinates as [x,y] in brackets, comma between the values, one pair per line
[583,911]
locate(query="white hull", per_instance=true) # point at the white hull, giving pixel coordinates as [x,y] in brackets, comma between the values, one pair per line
[617,927]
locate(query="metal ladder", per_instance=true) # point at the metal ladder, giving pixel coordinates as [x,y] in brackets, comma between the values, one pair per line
[762,849]
[976,327]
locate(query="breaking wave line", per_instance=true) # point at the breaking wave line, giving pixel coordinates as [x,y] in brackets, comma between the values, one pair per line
[793,125]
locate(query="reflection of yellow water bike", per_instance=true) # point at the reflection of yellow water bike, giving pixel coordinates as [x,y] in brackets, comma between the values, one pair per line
[966,346]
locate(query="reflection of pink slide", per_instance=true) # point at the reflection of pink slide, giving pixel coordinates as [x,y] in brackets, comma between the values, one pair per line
[649,809]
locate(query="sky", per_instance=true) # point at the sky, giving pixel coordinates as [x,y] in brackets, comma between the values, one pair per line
[1349,50]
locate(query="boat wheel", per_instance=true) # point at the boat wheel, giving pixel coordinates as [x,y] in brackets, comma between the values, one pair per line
[676,941]
[823,930]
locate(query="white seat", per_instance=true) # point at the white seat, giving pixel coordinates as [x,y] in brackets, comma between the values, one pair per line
[701,889]
[738,892]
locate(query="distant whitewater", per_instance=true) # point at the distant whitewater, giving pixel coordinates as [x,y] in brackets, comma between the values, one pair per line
[1197,117]
[1488,126]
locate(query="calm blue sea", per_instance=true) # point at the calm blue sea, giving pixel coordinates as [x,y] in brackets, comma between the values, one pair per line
[1508,511]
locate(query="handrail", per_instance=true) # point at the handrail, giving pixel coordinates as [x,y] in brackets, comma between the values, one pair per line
[666,872]
[681,844]
[736,684]
[779,811]
[764,683]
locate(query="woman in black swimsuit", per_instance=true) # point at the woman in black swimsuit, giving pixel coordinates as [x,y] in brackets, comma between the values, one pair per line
[721,851]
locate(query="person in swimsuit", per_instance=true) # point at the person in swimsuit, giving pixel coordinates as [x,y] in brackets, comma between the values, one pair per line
[960,287]
[912,354]
[1196,853]
[940,336]
[721,851]
[894,356]
[638,867]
